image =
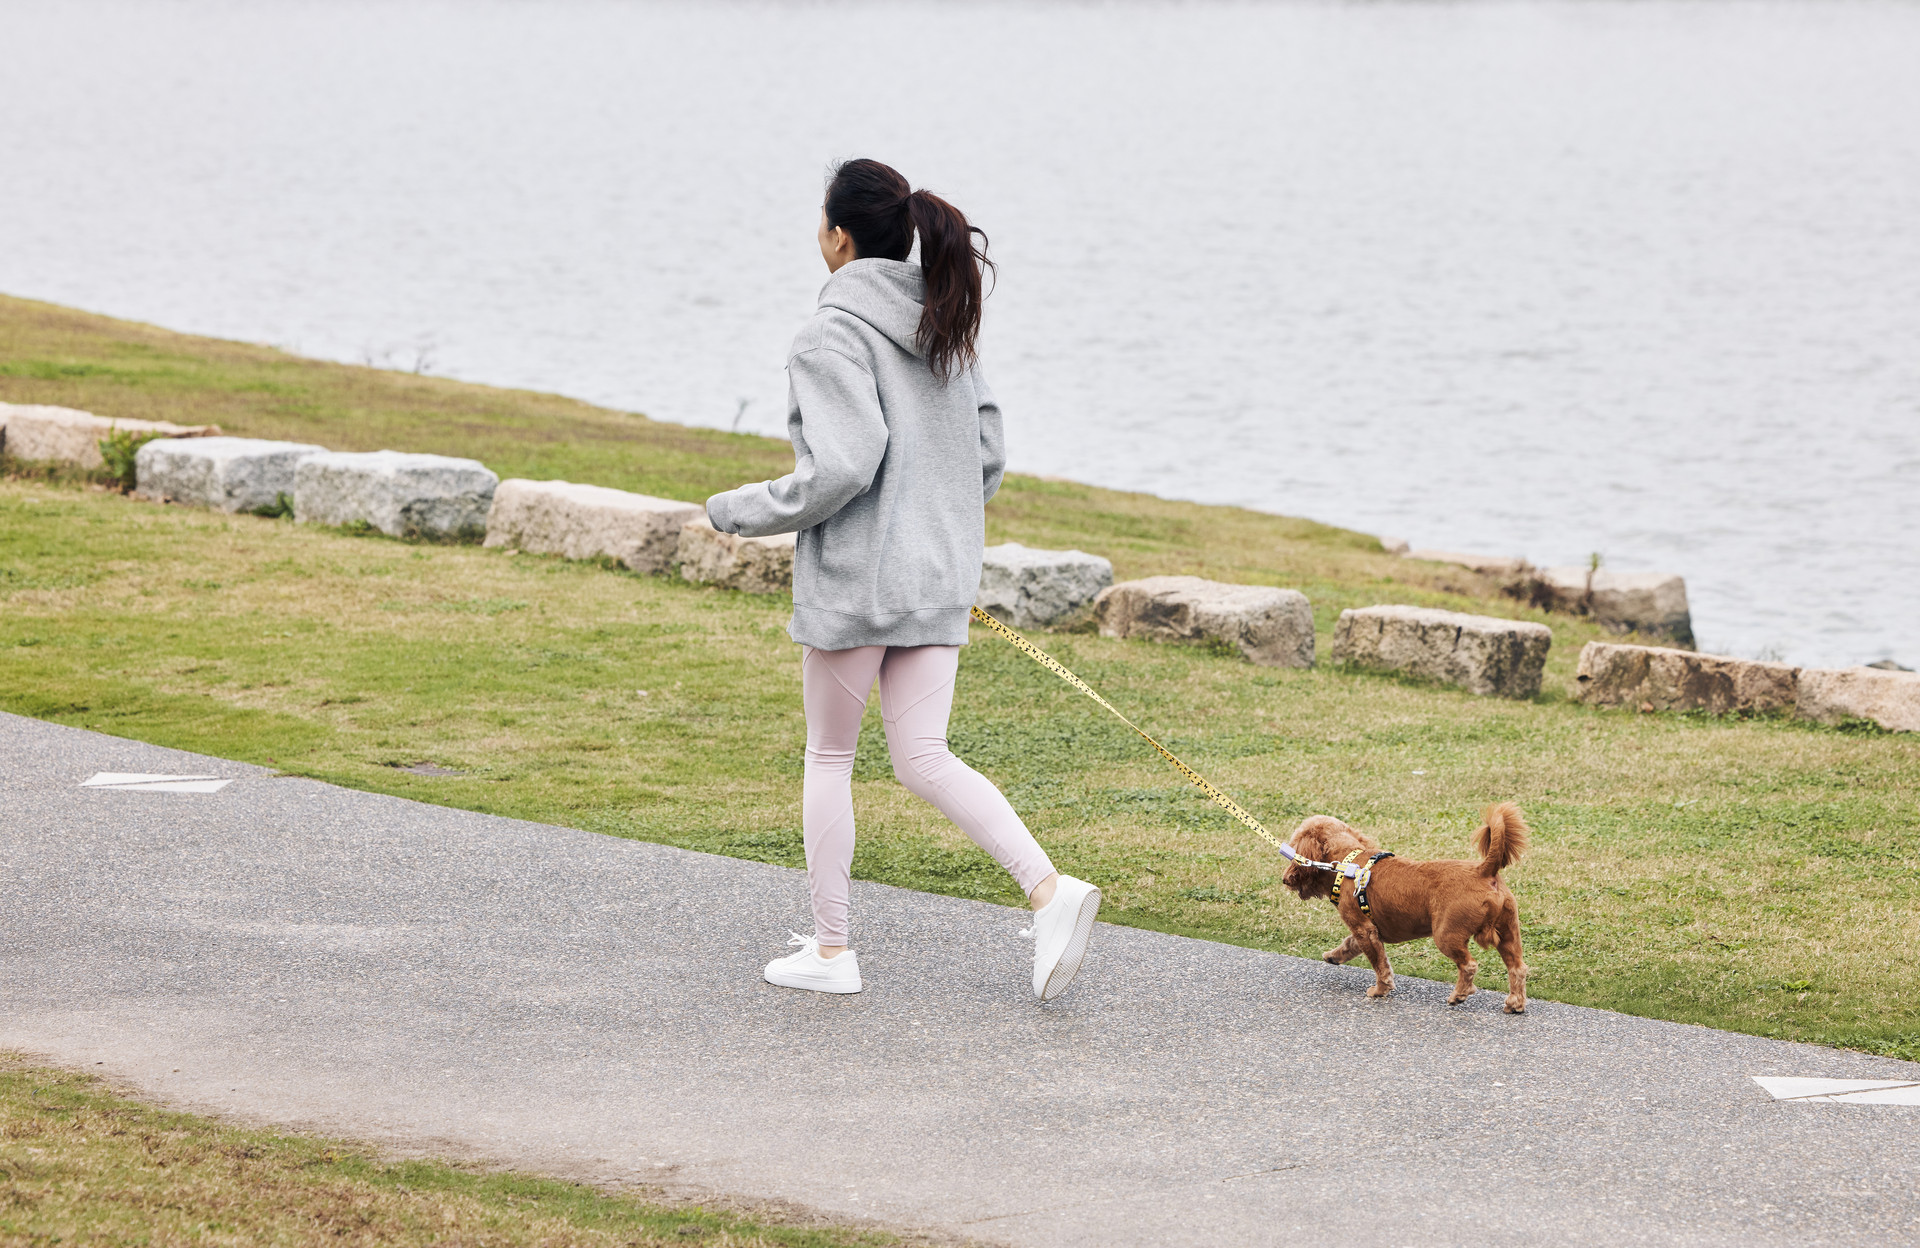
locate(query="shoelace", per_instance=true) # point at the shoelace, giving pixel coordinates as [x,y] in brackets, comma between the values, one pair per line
[1028,931]
[798,939]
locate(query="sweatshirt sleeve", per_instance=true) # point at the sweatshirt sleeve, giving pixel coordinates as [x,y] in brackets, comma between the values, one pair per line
[839,440]
[993,441]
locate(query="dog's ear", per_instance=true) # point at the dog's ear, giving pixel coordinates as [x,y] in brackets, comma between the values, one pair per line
[1311,840]
[1301,844]
[1311,837]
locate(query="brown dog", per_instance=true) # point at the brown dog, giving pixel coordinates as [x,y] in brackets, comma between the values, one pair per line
[1450,900]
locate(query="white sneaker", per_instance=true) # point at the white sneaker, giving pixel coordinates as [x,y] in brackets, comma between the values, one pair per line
[1059,933]
[807,969]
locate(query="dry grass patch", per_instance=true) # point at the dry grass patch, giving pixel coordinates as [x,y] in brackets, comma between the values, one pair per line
[82,1164]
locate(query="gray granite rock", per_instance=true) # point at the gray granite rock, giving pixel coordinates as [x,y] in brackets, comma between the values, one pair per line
[1270,627]
[1028,588]
[1480,653]
[1663,679]
[230,474]
[1651,603]
[70,436]
[1889,698]
[756,565]
[587,521]
[397,493]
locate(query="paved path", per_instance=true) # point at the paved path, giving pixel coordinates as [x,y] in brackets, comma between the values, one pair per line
[287,951]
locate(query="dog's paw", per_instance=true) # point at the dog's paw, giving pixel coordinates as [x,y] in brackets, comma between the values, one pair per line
[1457,997]
[1516,1006]
[1379,990]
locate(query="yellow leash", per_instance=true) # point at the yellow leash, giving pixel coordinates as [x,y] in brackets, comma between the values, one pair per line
[1199,781]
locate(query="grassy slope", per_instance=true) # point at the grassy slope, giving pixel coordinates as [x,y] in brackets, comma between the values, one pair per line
[1754,875]
[50,354]
[82,1165]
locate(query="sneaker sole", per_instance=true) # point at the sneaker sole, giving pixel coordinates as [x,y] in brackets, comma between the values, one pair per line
[814,985]
[1076,950]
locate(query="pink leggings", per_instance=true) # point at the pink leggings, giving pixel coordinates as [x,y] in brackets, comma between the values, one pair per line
[916,696]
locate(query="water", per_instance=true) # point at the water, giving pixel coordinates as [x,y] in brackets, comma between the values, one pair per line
[1637,278]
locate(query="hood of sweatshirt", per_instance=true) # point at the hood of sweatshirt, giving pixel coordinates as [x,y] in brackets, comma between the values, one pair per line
[886,294]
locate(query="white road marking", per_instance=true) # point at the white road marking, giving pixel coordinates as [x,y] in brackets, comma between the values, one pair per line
[107,778]
[1909,1095]
[147,782]
[1842,1091]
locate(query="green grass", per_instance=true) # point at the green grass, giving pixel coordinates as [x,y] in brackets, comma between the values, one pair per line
[1751,874]
[80,1164]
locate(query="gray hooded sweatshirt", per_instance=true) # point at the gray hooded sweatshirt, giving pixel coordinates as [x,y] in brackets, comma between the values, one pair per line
[892,472]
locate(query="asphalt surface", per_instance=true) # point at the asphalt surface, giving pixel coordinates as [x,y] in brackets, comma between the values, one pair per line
[289,952]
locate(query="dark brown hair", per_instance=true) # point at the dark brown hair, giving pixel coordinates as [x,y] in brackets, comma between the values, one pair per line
[881,211]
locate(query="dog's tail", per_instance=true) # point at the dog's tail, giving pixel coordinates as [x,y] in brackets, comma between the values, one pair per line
[1502,837]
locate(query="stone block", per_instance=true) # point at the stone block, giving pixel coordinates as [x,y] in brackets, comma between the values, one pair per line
[1480,653]
[230,474]
[400,494]
[1890,698]
[1665,679]
[757,565]
[1270,627]
[1653,603]
[70,436]
[1027,588]
[1489,565]
[587,521]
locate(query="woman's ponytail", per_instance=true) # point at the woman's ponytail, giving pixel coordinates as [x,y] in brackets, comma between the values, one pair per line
[880,211]
[950,318]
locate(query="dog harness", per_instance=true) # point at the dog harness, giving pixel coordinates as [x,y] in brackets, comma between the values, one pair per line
[1361,876]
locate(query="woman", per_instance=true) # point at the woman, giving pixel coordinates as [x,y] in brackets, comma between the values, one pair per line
[897,448]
